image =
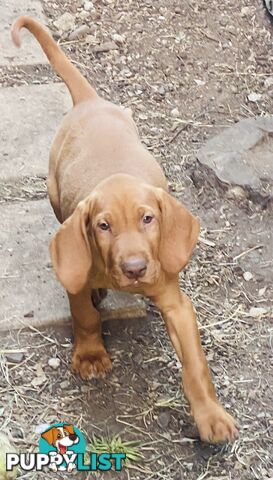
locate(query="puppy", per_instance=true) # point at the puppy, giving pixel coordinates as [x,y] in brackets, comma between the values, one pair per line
[61,438]
[120,230]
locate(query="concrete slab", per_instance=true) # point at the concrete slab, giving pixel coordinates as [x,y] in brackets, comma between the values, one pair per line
[29,117]
[243,155]
[29,291]
[30,52]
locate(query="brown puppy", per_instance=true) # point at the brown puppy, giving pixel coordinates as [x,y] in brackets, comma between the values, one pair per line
[121,230]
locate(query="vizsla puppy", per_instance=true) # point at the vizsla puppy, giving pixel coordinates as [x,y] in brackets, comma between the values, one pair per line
[121,230]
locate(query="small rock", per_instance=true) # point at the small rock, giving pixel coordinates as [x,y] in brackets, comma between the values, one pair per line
[117,38]
[238,466]
[175,112]
[198,82]
[90,39]
[242,155]
[224,21]
[84,15]
[54,363]
[262,291]
[40,378]
[172,380]
[125,72]
[79,32]
[94,15]
[162,90]
[15,357]
[246,11]
[105,47]
[236,192]
[65,22]
[247,276]
[268,82]
[38,381]
[65,384]
[256,312]
[139,28]
[226,45]
[163,419]
[88,6]
[155,385]
[234,88]
[254,97]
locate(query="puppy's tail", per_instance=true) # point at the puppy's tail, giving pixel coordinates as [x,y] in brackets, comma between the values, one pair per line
[78,86]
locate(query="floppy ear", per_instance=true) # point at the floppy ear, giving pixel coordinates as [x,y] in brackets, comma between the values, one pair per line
[48,436]
[70,250]
[179,233]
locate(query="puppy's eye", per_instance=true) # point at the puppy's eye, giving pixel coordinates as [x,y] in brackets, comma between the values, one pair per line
[59,435]
[104,226]
[147,219]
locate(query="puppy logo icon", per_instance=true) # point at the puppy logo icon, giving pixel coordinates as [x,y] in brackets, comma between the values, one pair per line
[62,447]
[62,442]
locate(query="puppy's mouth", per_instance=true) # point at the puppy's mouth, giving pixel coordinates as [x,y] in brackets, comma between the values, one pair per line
[124,282]
[62,449]
[121,281]
[135,282]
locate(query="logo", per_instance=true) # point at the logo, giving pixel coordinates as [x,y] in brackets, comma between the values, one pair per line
[62,442]
[62,447]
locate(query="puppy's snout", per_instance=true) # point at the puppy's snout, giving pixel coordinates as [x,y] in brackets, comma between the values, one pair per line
[73,437]
[134,267]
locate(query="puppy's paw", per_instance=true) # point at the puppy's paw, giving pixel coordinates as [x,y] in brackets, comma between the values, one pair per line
[71,467]
[215,425]
[91,365]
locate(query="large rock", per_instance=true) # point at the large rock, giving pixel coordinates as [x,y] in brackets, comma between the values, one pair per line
[30,52]
[29,118]
[29,291]
[243,155]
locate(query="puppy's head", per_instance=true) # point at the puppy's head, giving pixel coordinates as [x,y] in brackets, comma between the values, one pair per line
[128,229]
[60,435]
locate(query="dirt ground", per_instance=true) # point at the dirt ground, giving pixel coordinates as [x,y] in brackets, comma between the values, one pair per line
[186,69]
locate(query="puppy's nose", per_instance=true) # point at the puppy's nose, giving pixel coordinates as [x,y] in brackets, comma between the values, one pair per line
[73,437]
[134,267]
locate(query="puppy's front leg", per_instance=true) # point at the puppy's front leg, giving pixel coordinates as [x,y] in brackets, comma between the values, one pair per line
[90,358]
[215,425]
